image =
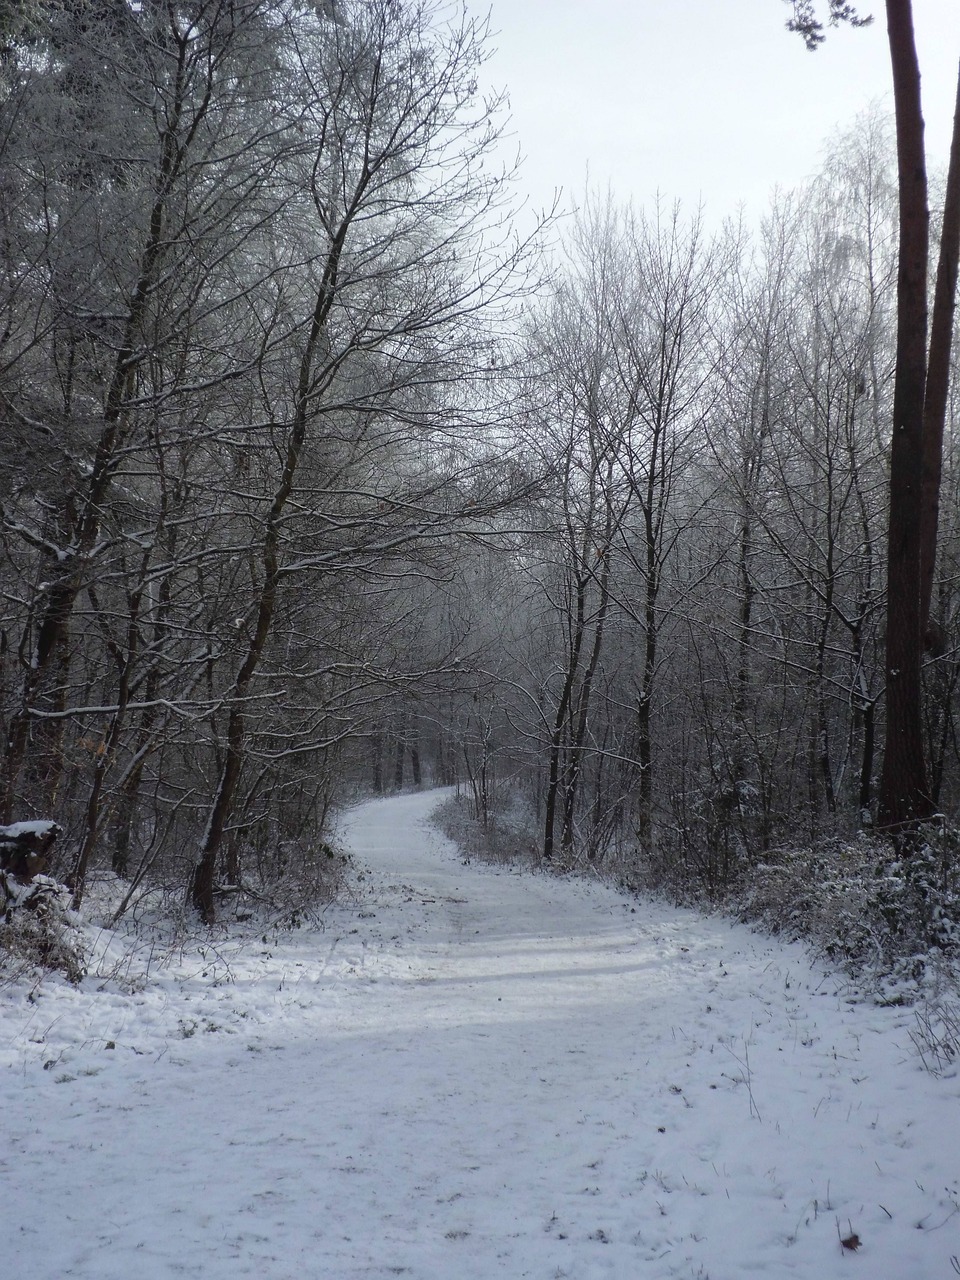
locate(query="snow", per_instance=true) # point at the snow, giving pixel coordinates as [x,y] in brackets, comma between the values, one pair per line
[470,1072]
[17,892]
[17,830]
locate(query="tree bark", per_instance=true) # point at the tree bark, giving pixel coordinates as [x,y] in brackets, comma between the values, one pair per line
[938,383]
[904,791]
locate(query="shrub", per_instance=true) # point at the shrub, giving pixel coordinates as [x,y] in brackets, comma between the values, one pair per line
[864,903]
[38,931]
[506,838]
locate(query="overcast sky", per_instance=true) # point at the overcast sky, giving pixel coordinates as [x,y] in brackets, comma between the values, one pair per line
[696,98]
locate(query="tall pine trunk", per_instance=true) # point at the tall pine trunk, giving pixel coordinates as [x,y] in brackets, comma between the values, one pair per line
[904,791]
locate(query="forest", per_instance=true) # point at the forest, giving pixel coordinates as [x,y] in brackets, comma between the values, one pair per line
[319,481]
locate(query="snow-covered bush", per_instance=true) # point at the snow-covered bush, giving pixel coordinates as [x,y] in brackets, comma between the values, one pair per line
[300,876]
[37,928]
[862,903]
[505,838]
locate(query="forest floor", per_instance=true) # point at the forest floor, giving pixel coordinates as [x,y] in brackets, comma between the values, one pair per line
[468,1073]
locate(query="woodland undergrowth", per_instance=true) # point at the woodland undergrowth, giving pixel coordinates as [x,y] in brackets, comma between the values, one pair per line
[125,930]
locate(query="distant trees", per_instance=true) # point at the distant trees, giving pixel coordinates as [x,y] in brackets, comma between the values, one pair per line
[705,564]
[622,354]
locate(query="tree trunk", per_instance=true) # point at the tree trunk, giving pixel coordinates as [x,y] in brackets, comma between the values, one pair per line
[377,760]
[938,384]
[904,791]
[560,720]
[416,768]
[399,749]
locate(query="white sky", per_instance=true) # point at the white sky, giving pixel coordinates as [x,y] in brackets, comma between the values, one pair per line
[696,98]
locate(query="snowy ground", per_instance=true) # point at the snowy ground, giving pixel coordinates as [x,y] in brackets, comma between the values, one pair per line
[472,1073]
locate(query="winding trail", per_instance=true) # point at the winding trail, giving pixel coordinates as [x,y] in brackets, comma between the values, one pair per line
[475,1073]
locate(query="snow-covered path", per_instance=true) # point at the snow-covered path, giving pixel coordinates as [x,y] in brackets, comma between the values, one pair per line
[473,1073]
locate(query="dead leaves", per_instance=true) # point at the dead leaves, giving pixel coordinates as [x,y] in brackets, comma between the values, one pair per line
[851,1242]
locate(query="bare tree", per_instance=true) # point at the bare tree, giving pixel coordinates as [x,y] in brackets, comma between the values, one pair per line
[400,264]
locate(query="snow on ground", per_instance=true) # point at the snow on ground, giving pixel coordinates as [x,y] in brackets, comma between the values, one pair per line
[472,1073]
